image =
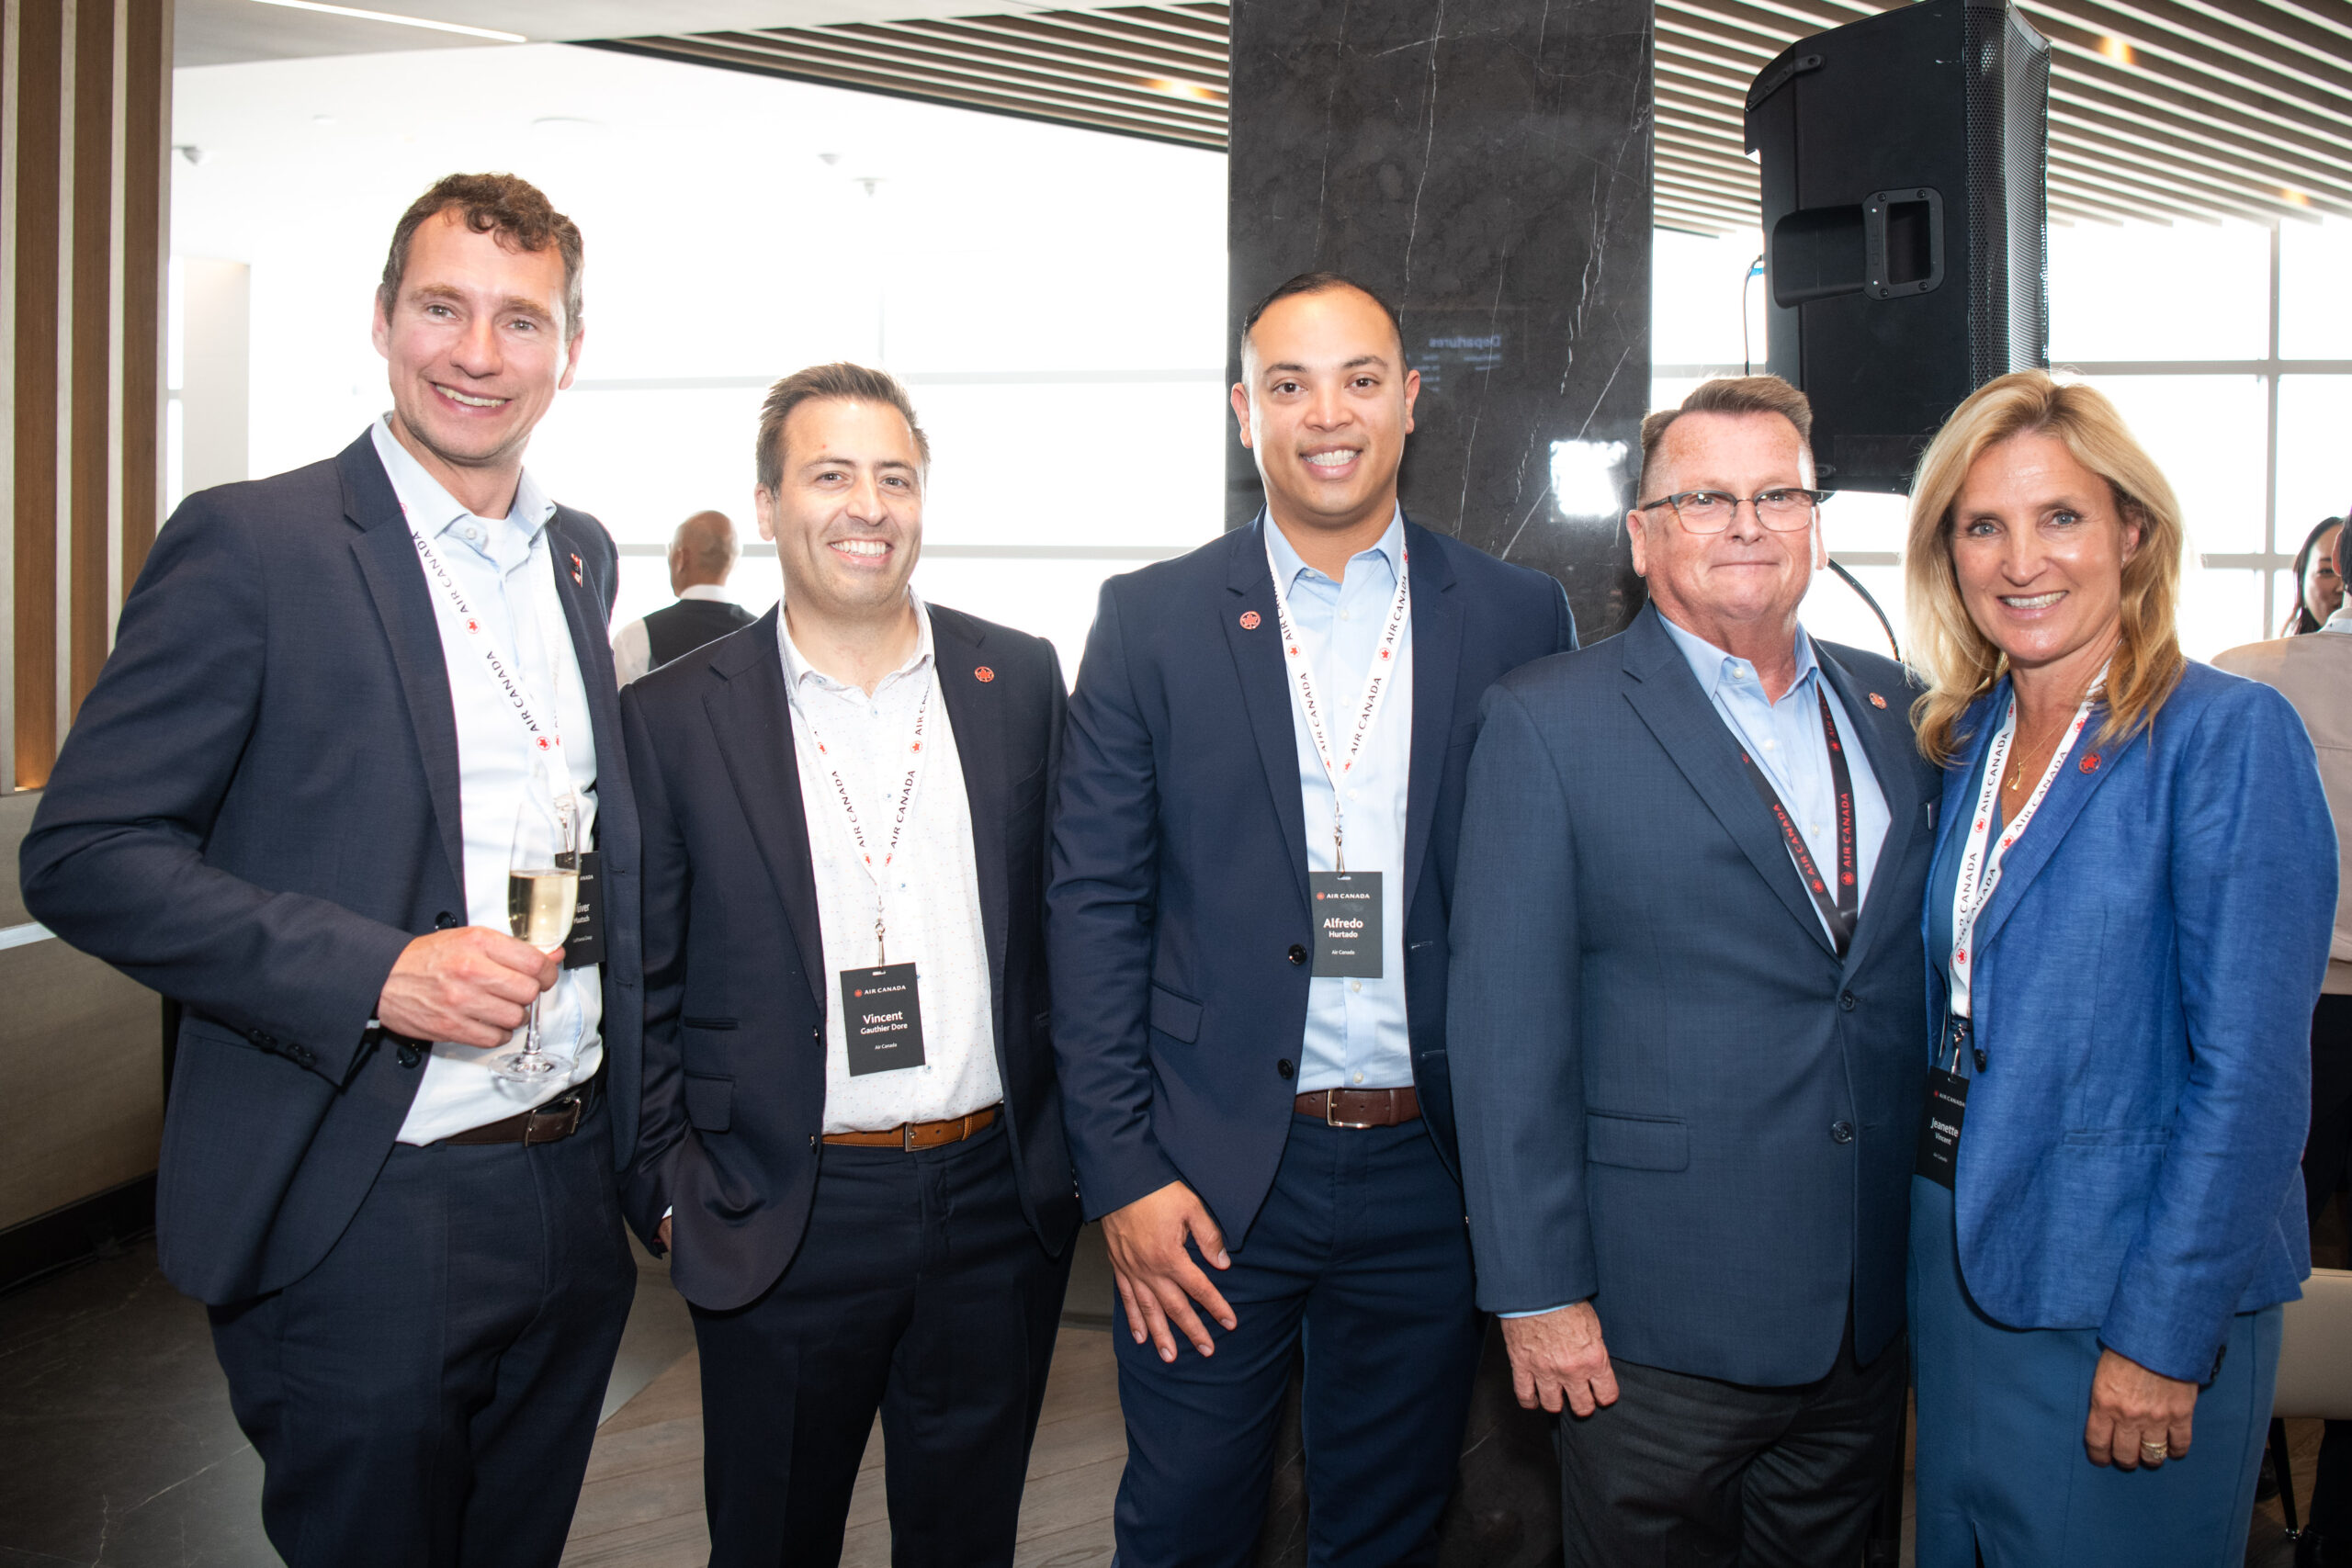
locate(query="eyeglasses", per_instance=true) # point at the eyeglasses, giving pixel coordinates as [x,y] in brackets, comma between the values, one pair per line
[1784,510]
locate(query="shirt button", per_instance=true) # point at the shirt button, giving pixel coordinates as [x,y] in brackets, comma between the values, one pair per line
[1345,616]
[1356,985]
[1359,1075]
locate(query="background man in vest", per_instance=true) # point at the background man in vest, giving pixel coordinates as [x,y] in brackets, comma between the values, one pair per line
[702,558]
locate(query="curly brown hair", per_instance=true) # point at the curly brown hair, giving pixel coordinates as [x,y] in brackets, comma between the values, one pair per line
[510,210]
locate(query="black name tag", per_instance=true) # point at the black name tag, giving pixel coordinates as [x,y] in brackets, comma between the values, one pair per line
[585,948]
[1939,1129]
[1347,924]
[881,1018]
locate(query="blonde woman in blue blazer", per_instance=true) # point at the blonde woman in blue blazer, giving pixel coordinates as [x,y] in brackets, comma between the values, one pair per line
[2125,939]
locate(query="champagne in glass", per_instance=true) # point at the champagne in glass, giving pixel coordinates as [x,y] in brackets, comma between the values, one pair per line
[542,888]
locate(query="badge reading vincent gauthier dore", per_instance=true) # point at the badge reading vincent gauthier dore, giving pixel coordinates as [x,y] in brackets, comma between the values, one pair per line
[882,1019]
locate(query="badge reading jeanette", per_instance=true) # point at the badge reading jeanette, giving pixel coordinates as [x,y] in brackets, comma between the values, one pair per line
[881,1018]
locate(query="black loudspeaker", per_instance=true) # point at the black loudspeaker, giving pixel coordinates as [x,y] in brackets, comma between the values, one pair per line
[1906,223]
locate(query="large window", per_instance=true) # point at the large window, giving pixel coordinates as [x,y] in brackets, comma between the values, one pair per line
[2227,347]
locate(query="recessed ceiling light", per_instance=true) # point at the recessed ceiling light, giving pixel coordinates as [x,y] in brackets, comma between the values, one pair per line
[2118,50]
[1171,88]
[403,21]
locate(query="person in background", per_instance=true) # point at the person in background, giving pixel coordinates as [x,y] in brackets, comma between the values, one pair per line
[2128,929]
[2319,582]
[702,558]
[853,1146]
[1687,976]
[2315,674]
[343,703]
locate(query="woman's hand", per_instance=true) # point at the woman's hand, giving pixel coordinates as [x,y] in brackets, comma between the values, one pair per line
[2131,1406]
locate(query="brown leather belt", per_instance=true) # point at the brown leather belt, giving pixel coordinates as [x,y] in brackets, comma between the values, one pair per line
[1360,1107]
[913,1135]
[548,1124]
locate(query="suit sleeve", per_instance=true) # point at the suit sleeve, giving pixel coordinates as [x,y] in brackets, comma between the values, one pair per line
[115,861]
[665,882]
[2254,908]
[1511,1022]
[1099,909]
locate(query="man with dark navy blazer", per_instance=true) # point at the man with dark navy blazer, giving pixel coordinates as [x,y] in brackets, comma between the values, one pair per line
[854,1141]
[1685,1016]
[338,701]
[1254,859]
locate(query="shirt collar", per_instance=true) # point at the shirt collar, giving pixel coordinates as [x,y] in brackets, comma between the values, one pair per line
[710,591]
[432,508]
[1713,667]
[797,668]
[1288,565]
[2339,621]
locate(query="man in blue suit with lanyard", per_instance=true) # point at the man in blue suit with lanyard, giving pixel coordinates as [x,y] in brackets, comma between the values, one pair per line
[1254,859]
[345,703]
[1686,1002]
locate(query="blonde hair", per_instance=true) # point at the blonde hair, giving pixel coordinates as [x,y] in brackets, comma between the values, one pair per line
[1959,662]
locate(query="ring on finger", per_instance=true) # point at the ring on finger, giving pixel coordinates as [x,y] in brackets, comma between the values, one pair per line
[2154,1453]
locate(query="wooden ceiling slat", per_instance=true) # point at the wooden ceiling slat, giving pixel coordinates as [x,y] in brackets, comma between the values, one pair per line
[2235,109]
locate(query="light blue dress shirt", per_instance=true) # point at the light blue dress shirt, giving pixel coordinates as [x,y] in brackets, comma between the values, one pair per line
[1785,737]
[1355,1029]
[504,568]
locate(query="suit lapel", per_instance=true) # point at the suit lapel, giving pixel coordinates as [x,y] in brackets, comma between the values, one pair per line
[1663,692]
[591,654]
[977,721]
[2069,792]
[1437,664]
[750,720]
[1887,742]
[387,556]
[1253,634]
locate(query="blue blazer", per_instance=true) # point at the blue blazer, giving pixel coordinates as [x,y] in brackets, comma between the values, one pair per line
[257,810]
[1676,1099]
[736,987]
[1179,895]
[2146,975]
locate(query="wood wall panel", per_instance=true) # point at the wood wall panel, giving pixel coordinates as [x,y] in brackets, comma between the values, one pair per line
[37,154]
[146,197]
[89,336]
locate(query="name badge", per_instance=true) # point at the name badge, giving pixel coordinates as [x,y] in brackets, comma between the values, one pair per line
[882,1019]
[1939,1129]
[1347,924]
[585,948]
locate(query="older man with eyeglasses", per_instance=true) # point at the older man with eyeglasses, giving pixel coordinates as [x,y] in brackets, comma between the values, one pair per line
[1685,1025]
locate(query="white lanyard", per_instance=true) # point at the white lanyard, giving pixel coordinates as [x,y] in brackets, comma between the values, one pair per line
[1367,709]
[906,797]
[544,736]
[1980,867]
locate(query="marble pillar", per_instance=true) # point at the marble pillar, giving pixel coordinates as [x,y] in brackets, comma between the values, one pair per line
[1485,164]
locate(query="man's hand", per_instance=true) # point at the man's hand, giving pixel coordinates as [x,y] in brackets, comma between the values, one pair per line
[1156,1274]
[2131,1405]
[663,1234]
[471,985]
[1558,1356]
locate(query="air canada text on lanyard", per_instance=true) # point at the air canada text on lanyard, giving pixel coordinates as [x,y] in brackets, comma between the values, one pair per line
[1981,860]
[881,1002]
[1346,905]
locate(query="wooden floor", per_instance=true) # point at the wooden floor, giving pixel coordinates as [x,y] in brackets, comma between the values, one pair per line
[642,1504]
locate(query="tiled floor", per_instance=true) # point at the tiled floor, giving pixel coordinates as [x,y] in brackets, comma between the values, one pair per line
[117,1446]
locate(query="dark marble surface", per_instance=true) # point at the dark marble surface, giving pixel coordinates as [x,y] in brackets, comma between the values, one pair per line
[117,1446]
[1486,165]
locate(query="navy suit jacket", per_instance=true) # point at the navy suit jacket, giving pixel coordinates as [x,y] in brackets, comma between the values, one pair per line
[1675,1099]
[736,985]
[257,810]
[1177,916]
[2144,979]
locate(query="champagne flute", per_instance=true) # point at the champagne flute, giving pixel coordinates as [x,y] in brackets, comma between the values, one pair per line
[542,890]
